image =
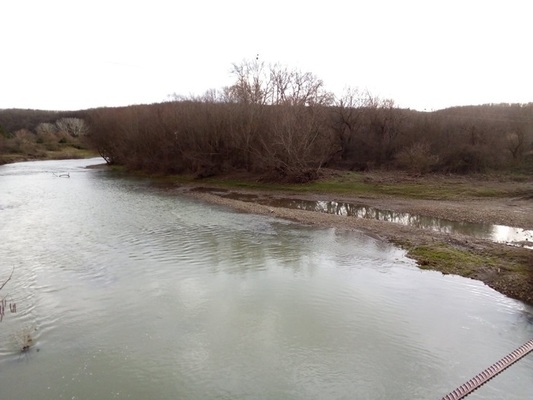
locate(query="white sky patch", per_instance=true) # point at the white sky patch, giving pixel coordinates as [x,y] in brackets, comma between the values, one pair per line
[65,55]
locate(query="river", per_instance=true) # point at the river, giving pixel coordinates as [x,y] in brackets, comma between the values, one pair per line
[130,290]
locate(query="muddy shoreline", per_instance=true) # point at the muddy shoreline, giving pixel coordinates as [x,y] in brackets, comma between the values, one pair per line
[507,269]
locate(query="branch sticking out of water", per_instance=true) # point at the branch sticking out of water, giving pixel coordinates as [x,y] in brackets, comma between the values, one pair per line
[8,279]
[3,302]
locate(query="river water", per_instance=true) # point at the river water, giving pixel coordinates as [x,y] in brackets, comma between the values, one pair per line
[129,290]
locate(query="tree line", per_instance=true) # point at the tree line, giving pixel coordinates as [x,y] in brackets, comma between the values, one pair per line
[285,125]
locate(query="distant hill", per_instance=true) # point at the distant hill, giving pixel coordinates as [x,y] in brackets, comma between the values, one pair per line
[12,120]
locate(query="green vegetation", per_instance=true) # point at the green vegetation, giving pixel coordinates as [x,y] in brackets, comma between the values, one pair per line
[394,184]
[451,260]
[506,269]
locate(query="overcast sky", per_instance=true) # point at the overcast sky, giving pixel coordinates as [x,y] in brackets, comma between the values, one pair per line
[77,54]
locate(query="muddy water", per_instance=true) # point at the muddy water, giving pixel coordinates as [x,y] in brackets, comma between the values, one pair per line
[130,291]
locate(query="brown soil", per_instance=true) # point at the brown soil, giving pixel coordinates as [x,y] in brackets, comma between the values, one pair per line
[505,268]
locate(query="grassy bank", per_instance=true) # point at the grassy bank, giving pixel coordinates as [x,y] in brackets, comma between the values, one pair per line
[509,270]
[393,184]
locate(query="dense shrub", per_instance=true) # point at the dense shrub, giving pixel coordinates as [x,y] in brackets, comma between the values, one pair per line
[283,125]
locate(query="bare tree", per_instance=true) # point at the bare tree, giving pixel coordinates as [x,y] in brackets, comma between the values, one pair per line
[46,128]
[349,117]
[282,124]
[386,125]
[257,83]
[73,126]
[516,143]
[417,158]
[252,83]
[297,88]
[300,141]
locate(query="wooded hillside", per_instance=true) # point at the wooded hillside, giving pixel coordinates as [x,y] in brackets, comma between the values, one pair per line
[284,125]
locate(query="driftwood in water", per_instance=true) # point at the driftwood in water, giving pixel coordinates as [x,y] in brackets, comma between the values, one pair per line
[3,302]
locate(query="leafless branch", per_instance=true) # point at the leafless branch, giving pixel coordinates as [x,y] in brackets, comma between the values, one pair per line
[8,279]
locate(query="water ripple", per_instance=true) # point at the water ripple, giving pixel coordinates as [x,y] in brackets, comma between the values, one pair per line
[150,295]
